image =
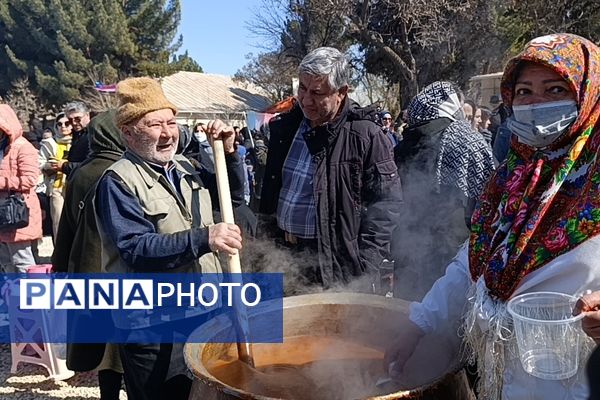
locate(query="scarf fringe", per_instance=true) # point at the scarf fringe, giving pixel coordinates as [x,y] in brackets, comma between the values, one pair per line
[486,345]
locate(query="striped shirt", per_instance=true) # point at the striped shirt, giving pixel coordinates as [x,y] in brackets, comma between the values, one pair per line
[296,209]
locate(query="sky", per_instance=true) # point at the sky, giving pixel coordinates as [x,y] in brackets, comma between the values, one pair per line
[215,33]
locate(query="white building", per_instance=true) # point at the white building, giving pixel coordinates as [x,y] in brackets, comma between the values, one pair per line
[202,97]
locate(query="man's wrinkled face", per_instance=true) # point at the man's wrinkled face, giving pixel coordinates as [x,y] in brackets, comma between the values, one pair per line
[154,137]
[78,120]
[319,102]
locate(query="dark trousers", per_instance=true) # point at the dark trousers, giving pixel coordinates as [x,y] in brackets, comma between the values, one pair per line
[146,368]
[110,384]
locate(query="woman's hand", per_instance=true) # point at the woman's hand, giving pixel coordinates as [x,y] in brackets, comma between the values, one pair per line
[589,304]
[398,353]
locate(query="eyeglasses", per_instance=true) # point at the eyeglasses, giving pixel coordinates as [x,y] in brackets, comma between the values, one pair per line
[61,124]
[387,119]
[75,119]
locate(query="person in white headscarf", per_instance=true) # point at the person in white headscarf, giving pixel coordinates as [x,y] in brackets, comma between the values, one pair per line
[52,151]
[444,165]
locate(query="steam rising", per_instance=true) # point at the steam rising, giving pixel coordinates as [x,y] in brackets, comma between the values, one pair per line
[262,255]
[429,231]
[431,227]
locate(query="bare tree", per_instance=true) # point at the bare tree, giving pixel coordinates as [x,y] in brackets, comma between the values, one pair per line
[413,42]
[99,101]
[295,27]
[24,101]
[403,37]
[405,41]
[271,72]
[378,89]
[289,29]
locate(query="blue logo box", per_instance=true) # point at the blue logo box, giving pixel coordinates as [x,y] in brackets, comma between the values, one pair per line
[143,308]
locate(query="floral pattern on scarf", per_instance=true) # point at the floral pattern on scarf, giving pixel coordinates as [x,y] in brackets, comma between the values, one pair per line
[542,203]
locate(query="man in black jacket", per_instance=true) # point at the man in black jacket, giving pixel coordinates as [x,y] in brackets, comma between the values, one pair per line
[79,117]
[330,177]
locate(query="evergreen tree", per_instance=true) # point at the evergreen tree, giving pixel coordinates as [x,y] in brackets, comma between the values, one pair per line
[65,46]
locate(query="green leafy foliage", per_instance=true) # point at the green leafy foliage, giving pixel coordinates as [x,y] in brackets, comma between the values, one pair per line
[521,21]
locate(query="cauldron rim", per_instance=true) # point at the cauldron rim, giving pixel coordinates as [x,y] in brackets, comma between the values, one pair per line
[192,351]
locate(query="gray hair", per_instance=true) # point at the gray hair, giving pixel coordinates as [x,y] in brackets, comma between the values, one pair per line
[76,106]
[327,61]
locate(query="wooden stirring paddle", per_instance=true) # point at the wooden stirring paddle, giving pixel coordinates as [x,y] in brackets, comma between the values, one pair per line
[244,349]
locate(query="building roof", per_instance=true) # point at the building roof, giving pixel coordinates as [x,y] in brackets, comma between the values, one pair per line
[199,93]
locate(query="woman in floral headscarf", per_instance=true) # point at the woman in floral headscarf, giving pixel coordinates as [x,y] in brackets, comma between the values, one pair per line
[536,225]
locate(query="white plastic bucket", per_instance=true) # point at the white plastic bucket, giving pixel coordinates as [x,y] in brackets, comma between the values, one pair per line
[547,333]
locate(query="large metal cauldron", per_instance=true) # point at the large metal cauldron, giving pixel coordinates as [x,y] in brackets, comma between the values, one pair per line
[366,319]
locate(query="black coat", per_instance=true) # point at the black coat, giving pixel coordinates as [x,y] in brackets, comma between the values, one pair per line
[78,247]
[79,151]
[356,188]
[203,162]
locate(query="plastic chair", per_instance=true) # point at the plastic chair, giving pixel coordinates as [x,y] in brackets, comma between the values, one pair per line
[28,329]
[40,269]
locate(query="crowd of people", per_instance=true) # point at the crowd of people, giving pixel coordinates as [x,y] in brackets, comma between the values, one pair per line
[450,204]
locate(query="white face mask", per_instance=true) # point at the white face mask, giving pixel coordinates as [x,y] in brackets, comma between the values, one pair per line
[200,136]
[539,125]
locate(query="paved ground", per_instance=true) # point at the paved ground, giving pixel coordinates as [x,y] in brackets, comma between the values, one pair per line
[31,382]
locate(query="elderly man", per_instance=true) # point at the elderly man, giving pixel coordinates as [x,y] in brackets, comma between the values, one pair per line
[155,216]
[330,177]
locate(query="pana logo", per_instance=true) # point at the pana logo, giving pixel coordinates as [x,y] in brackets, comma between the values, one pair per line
[132,294]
